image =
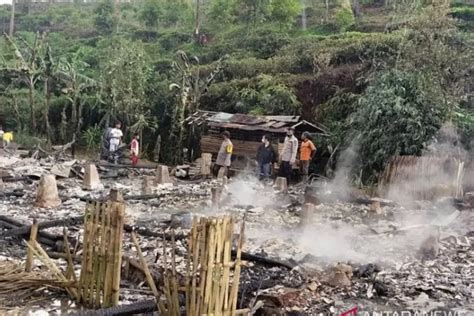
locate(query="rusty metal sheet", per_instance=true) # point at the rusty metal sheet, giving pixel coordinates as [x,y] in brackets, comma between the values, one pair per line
[246,119]
[283,118]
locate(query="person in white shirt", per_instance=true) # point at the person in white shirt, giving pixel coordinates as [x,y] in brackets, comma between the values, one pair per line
[115,137]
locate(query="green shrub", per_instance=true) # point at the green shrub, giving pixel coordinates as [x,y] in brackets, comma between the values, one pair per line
[92,137]
[396,116]
[28,141]
[345,19]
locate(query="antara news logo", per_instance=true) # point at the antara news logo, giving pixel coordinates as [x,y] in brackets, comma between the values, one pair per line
[355,311]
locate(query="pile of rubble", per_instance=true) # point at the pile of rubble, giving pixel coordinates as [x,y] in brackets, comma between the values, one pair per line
[299,258]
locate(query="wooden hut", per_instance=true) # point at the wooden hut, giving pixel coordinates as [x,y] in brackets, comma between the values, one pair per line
[205,128]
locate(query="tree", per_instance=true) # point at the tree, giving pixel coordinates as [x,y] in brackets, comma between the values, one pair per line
[284,11]
[104,20]
[151,13]
[189,88]
[125,77]
[433,46]
[253,11]
[396,116]
[26,68]
[71,73]
[220,12]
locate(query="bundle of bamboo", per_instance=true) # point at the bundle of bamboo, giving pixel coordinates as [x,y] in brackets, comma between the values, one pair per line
[211,280]
[14,280]
[99,283]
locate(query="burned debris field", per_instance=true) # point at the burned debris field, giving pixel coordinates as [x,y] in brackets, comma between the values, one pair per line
[301,250]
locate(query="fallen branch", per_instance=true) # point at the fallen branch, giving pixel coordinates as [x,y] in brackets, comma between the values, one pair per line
[148,306]
[110,165]
[264,260]
[44,225]
[10,194]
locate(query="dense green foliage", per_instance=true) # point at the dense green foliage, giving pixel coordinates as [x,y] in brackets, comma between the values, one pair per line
[404,66]
[409,115]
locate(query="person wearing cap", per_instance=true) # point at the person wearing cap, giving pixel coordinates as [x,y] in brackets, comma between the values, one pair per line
[225,154]
[288,154]
[307,152]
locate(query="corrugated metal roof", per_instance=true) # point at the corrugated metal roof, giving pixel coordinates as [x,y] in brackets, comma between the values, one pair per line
[272,123]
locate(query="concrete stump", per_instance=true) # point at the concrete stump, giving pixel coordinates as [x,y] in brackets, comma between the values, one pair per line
[47,194]
[375,207]
[115,196]
[91,178]
[148,183]
[469,198]
[306,212]
[162,175]
[281,184]
[206,162]
[216,196]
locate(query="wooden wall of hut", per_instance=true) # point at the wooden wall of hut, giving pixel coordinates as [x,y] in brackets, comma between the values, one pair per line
[212,143]
[422,178]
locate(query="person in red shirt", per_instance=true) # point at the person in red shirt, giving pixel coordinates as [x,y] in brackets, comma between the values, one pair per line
[135,149]
[307,152]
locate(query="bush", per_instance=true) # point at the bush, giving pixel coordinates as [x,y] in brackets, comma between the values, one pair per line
[345,19]
[396,116]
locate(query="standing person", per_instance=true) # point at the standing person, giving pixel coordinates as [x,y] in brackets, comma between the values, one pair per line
[307,152]
[1,134]
[115,135]
[224,155]
[7,138]
[265,157]
[288,154]
[135,149]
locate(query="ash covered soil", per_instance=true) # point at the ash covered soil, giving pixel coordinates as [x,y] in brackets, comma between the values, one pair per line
[327,258]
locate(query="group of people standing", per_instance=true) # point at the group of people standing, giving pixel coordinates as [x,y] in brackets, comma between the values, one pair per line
[113,141]
[267,155]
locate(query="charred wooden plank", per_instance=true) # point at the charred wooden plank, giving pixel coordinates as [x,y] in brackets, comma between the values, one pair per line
[70,221]
[264,260]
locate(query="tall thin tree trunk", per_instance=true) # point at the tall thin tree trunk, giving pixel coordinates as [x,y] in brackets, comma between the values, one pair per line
[196,29]
[32,104]
[327,10]
[78,125]
[63,127]
[47,95]
[12,20]
[17,113]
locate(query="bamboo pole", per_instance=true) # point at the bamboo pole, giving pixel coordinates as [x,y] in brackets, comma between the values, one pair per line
[109,260]
[118,209]
[174,276]
[236,280]
[44,258]
[85,252]
[93,263]
[148,276]
[195,251]
[29,254]
[70,263]
[104,222]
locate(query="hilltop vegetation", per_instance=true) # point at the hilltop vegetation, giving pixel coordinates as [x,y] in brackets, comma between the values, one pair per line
[362,68]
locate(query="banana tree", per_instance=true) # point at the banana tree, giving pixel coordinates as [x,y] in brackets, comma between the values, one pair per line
[143,122]
[26,67]
[71,73]
[189,90]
